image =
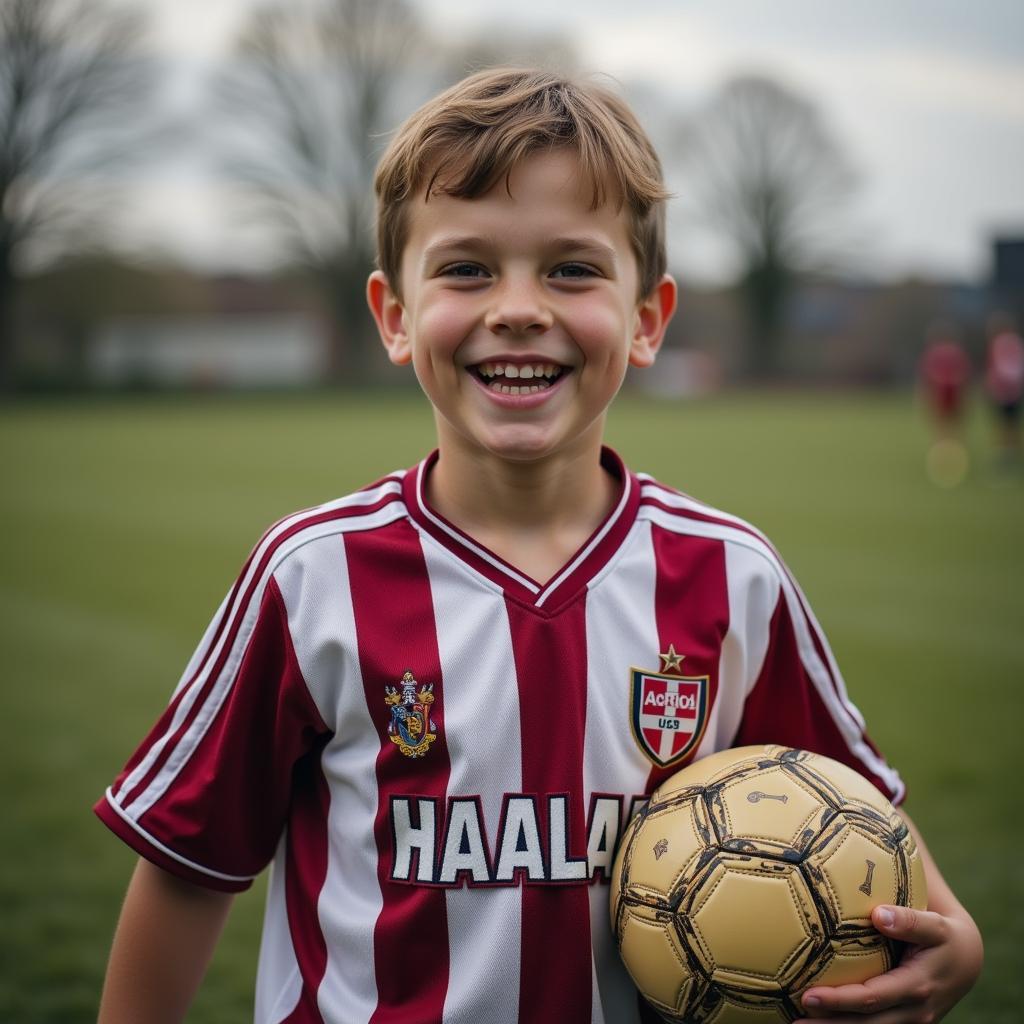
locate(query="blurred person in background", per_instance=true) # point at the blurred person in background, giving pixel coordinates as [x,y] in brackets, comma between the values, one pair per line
[1004,384]
[945,372]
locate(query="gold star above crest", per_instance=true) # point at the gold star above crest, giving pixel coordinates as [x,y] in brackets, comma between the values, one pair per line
[671,662]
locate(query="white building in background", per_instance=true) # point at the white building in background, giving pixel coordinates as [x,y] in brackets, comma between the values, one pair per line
[681,373]
[237,350]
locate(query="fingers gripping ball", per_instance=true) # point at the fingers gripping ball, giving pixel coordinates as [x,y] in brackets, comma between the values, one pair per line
[750,876]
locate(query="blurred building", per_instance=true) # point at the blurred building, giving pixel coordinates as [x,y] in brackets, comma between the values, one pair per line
[846,332]
[116,325]
[837,332]
[120,326]
[224,351]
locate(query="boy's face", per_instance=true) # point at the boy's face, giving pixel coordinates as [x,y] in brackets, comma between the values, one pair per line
[519,312]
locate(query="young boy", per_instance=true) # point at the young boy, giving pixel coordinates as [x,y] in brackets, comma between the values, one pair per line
[428,703]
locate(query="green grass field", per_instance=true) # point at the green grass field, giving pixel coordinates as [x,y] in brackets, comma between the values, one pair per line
[122,524]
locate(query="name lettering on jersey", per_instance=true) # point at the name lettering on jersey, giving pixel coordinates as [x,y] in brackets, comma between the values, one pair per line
[668,711]
[411,728]
[450,847]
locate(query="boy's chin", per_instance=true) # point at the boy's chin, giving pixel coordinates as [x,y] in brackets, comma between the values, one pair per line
[520,449]
[523,444]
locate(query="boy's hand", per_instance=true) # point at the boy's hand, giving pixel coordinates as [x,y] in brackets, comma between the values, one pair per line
[941,961]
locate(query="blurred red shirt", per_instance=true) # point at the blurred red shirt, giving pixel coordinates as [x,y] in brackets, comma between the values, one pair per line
[1004,373]
[945,370]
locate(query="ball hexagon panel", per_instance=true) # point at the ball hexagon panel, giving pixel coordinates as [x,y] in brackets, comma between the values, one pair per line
[772,808]
[730,1012]
[854,961]
[657,961]
[664,848]
[852,785]
[727,917]
[859,873]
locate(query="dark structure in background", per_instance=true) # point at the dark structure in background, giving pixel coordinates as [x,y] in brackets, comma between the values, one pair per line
[71,91]
[1008,277]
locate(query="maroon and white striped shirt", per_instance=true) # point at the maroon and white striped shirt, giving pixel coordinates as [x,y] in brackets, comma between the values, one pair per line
[437,753]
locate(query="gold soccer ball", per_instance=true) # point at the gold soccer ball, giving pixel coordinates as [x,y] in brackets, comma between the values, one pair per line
[750,876]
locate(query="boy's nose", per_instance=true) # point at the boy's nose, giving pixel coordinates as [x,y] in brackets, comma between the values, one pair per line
[518,307]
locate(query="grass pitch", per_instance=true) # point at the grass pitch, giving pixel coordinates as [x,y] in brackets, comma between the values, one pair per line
[124,522]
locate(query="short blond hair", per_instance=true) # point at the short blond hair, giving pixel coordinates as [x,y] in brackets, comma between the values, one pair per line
[470,137]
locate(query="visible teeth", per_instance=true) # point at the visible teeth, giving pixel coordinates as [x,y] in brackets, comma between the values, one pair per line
[519,389]
[512,371]
[495,373]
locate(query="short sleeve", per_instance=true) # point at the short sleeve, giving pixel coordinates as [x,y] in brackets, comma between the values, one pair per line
[207,793]
[799,699]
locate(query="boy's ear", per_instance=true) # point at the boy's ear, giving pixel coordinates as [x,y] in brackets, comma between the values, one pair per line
[652,317]
[389,313]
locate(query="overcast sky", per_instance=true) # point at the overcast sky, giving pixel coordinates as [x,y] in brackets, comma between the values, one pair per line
[925,96]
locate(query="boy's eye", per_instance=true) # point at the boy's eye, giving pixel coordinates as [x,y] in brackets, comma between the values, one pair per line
[573,271]
[468,270]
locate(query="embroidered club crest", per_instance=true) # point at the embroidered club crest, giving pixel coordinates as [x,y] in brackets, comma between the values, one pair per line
[411,728]
[668,712]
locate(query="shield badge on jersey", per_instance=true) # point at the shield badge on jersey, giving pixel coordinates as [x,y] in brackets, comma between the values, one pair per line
[668,714]
[411,728]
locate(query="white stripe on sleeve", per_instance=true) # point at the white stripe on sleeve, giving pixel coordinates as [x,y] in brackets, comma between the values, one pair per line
[218,691]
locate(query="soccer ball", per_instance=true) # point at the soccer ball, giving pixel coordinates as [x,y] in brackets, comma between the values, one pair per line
[750,876]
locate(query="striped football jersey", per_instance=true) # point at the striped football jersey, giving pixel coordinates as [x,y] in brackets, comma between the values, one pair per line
[437,754]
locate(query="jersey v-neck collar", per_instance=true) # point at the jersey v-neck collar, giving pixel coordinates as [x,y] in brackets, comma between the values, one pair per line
[575,575]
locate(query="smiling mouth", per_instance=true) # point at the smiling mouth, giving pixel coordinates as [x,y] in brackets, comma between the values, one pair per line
[518,379]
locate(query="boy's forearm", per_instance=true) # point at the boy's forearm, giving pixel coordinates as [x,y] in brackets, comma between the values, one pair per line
[942,900]
[164,940]
[941,897]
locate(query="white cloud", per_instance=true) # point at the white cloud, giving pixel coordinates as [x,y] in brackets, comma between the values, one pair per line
[951,82]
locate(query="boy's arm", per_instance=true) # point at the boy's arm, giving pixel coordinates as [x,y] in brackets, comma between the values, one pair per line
[941,962]
[164,940]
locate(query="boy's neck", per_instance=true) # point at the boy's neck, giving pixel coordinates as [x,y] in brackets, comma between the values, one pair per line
[535,515]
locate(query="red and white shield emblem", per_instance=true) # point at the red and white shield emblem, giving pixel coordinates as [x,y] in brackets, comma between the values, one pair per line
[668,714]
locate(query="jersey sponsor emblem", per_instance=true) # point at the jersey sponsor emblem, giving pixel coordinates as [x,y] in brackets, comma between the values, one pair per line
[668,713]
[411,728]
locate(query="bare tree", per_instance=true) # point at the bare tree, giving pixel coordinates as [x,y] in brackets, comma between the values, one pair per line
[313,89]
[766,173]
[70,86]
